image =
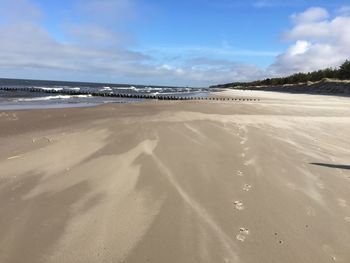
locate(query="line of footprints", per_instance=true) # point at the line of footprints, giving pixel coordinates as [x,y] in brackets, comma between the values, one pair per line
[238,205]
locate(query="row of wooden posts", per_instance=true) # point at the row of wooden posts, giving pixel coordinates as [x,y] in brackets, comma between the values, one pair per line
[122,95]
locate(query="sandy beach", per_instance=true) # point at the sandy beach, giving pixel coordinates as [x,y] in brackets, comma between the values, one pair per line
[178,181]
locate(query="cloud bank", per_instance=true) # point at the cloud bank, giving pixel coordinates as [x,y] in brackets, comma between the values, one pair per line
[319,42]
[92,50]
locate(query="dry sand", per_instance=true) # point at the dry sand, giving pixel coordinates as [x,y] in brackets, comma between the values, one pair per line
[205,181]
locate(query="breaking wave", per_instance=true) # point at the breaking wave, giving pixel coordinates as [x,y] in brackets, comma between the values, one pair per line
[58,97]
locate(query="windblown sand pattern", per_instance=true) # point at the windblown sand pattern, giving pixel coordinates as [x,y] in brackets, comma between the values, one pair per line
[205,181]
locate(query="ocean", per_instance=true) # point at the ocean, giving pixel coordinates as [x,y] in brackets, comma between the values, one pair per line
[13,99]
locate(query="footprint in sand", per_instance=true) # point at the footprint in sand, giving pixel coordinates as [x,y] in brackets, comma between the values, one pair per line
[320,185]
[242,155]
[342,202]
[35,140]
[279,240]
[310,211]
[328,250]
[11,117]
[249,162]
[247,187]
[240,173]
[243,233]
[240,237]
[14,117]
[238,205]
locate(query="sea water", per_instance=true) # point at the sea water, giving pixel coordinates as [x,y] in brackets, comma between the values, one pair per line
[24,99]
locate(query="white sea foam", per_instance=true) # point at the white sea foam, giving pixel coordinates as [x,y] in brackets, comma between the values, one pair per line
[76,88]
[151,89]
[58,97]
[56,89]
[164,93]
[106,89]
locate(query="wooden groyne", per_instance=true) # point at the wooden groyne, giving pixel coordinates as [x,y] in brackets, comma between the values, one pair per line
[124,95]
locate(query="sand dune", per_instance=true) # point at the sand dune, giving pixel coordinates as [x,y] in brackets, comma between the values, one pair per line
[205,181]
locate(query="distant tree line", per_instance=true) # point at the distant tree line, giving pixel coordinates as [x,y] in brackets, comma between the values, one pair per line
[342,72]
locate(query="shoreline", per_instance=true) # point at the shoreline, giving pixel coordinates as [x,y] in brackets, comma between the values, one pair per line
[37,103]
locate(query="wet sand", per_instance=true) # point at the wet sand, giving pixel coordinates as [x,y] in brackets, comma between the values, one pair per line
[180,181]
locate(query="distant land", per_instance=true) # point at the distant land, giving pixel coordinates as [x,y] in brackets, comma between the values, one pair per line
[325,81]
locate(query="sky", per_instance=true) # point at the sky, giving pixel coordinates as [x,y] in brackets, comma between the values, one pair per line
[167,42]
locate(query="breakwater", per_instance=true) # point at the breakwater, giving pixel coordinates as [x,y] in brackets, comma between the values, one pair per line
[124,95]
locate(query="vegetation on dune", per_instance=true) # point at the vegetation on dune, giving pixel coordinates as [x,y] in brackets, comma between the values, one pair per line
[342,73]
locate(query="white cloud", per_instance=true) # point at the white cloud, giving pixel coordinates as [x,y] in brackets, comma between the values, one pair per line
[19,10]
[299,48]
[26,44]
[313,14]
[319,42]
[214,71]
[92,35]
[94,50]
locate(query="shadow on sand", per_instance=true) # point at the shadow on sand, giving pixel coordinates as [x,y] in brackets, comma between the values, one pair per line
[339,166]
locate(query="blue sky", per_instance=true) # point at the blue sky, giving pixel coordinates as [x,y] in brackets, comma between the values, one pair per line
[193,42]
